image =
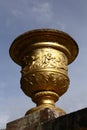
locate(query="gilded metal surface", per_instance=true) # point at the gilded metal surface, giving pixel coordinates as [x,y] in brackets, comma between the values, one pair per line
[45,69]
[44,55]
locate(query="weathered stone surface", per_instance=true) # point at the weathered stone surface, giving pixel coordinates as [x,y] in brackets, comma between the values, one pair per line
[46,120]
[73,121]
[32,121]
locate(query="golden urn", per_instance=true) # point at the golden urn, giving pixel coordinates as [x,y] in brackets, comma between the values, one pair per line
[44,55]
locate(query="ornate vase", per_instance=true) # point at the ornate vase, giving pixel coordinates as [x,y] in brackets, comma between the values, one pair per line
[44,55]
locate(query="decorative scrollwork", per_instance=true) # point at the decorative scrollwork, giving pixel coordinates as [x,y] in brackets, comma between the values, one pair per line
[42,81]
[45,59]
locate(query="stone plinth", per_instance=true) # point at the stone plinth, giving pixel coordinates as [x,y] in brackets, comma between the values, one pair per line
[34,120]
[73,121]
[46,119]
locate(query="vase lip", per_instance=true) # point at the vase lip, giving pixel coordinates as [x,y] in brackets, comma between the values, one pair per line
[43,35]
[45,30]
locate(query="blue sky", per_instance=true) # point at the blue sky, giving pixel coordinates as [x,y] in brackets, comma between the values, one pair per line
[19,16]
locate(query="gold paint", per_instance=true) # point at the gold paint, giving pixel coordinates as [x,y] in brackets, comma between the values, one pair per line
[44,55]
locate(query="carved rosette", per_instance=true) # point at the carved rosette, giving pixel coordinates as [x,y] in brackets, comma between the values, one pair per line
[44,56]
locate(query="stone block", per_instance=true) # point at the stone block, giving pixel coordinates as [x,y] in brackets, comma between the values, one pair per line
[46,120]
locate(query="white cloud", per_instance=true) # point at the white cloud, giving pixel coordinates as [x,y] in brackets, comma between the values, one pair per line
[38,11]
[42,11]
[17,13]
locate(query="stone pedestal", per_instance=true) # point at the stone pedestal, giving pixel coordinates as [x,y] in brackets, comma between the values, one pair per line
[46,119]
[34,120]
